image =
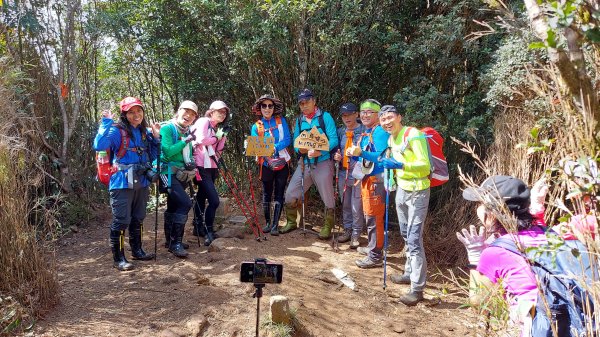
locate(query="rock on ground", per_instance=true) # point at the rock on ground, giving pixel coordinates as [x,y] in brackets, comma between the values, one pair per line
[280,310]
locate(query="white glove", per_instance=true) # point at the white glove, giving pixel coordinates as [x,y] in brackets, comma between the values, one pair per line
[353,151]
[474,242]
[538,195]
[220,133]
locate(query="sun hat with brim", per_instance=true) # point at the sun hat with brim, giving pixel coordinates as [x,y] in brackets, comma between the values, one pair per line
[216,105]
[514,192]
[189,105]
[278,109]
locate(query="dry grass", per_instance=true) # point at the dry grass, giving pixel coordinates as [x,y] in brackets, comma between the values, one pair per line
[28,281]
[571,132]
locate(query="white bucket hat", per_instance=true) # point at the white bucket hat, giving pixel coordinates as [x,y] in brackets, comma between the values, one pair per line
[189,105]
[216,105]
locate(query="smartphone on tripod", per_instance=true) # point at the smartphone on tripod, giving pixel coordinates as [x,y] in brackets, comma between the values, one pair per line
[261,272]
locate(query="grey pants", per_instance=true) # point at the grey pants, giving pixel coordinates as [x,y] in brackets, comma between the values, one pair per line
[128,204]
[412,211]
[352,210]
[320,174]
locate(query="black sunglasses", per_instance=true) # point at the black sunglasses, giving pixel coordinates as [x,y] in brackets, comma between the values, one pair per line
[267,106]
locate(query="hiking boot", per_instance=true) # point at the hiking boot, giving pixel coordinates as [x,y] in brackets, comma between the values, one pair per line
[135,242]
[363,250]
[168,225]
[183,244]
[210,234]
[368,263]
[276,215]
[345,237]
[117,238]
[177,236]
[325,232]
[354,243]
[267,213]
[411,298]
[209,238]
[291,214]
[400,279]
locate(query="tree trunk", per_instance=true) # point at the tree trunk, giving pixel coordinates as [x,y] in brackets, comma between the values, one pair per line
[571,66]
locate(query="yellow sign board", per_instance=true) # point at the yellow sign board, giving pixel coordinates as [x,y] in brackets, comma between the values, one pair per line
[260,146]
[313,140]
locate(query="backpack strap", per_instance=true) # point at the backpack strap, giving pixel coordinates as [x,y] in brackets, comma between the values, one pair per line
[124,143]
[405,139]
[174,133]
[507,244]
[260,128]
[320,119]
[322,123]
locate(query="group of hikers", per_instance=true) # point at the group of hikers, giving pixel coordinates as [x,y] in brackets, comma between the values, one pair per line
[371,154]
[372,141]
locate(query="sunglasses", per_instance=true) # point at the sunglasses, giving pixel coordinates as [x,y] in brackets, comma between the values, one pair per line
[267,106]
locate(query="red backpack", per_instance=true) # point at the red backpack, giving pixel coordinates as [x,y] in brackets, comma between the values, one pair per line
[435,143]
[105,159]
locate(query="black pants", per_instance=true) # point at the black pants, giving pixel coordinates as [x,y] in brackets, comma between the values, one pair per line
[208,192]
[274,181]
[178,201]
[128,205]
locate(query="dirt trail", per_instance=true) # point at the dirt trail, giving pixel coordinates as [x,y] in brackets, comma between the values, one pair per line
[158,298]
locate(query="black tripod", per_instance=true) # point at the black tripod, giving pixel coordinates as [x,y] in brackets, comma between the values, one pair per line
[258,294]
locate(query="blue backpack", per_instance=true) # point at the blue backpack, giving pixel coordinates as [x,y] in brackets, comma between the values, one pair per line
[559,271]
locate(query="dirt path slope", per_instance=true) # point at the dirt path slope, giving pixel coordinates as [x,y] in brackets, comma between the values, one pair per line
[172,297]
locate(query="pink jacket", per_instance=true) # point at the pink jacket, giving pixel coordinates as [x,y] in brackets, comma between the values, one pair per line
[206,143]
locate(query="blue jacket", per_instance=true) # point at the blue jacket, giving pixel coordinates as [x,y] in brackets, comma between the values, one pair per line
[271,130]
[109,137]
[372,144]
[330,132]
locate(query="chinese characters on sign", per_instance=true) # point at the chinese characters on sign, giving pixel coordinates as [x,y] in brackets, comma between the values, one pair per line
[312,140]
[259,146]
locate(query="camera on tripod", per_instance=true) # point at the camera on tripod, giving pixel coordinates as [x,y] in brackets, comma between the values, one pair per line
[261,272]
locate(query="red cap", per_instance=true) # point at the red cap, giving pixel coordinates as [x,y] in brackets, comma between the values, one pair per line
[129,102]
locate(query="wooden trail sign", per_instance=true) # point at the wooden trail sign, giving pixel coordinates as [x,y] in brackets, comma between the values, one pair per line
[260,146]
[313,140]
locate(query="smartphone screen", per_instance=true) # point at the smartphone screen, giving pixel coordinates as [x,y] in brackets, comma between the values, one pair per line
[261,272]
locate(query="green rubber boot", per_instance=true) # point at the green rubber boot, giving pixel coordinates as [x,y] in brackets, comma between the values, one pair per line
[291,214]
[325,232]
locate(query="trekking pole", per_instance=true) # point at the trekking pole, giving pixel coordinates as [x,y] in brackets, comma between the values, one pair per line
[386,184]
[196,207]
[246,210]
[334,242]
[157,201]
[240,201]
[302,197]
[264,236]
[237,199]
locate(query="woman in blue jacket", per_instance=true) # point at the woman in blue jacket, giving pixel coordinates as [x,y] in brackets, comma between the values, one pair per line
[274,170]
[134,148]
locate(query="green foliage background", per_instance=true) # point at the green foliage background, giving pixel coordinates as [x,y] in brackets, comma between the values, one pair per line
[414,54]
